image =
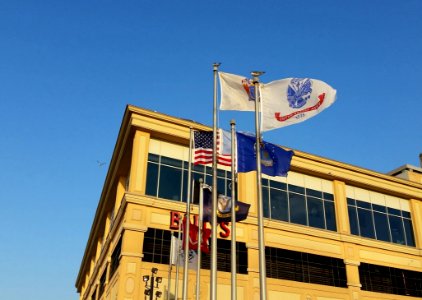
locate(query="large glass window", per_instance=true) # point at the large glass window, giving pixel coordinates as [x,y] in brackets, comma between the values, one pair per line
[390,280]
[156,249]
[380,222]
[167,177]
[305,267]
[299,205]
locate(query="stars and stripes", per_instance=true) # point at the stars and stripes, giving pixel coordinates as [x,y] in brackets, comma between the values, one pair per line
[203,147]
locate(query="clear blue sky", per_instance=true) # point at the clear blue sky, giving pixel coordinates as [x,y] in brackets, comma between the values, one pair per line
[68,69]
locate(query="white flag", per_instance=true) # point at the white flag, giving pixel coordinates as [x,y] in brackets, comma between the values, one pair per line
[237,92]
[176,248]
[293,100]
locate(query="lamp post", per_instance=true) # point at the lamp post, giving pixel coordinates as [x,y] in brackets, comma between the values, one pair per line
[149,288]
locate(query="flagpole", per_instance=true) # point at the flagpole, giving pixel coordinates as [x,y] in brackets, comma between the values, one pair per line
[176,291]
[233,212]
[170,266]
[200,221]
[261,244]
[187,222]
[213,285]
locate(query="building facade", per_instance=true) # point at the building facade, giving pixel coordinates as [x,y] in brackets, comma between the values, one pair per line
[332,230]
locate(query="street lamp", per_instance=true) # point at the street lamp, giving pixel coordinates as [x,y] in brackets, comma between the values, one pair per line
[149,288]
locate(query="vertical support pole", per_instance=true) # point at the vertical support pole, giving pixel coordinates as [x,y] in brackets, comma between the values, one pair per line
[233,213]
[261,243]
[213,289]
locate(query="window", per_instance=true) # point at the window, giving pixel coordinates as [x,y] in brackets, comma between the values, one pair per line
[389,280]
[94,294]
[299,205]
[157,250]
[380,222]
[305,267]
[168,177]
[102,283]
[115,258]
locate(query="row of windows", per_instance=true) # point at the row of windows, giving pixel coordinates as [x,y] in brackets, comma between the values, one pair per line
[293,265]
[390,280]
[299,205]
[167,178]
[380,222]
[157,250]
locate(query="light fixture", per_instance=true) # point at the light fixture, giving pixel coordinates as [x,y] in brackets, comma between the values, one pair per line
[159,279]
[145,278]
[154,270]
[158,294]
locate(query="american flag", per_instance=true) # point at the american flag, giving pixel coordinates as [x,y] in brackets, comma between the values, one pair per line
[203,144]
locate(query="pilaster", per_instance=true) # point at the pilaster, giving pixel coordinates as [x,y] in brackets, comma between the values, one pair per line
[138,167]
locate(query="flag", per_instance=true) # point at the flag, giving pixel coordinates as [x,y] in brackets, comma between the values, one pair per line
[177,250]
[224,204]
[203,147]
[237,92]
[293,100]
[193,237]
[275,161]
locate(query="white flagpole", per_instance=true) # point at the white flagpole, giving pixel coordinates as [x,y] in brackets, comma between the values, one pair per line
[261,243]
[213,285]
[170,266]
[233,211]
[176,292]
[200,221]
[187,223]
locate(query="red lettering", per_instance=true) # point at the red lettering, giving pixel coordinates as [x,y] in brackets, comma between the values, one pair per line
[226,230]
[174,220]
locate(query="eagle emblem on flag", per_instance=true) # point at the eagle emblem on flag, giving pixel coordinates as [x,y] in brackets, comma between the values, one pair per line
[299,92]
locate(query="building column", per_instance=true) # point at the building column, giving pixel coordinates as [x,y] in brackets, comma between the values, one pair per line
[130,277]
[138,169]
[340,201]
[353,280]
[416,213]
[253,269]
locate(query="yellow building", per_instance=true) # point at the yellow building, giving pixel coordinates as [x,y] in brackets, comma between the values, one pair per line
[332,230]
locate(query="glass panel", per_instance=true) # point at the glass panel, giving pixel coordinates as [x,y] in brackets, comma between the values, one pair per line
[363,204]
[170,181]
[153,157]
[265,203]
[264,181]
[393,211]
[316,212]
[279,209]
[221,186]
[152,179]
[198,168]
[297,208]
[313,193]
[330,215]
[328,196]
[365,223]
[296,189]
[381,227]
[379,208]
[409,232]
[221,173]
[405,214]
[353,219]
[171,162]
[397,232]
[278,185]
[351,201]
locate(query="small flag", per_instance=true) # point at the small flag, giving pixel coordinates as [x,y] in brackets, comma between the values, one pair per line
[275,161]
[203,143]
[237,92]
[224,206]
[193,237]
[293,100]
[177,250]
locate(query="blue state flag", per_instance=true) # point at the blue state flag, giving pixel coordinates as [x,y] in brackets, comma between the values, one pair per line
[275,161]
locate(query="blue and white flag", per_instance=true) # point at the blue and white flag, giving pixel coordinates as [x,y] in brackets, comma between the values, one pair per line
[237,92]
[275,161]
[293,100]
